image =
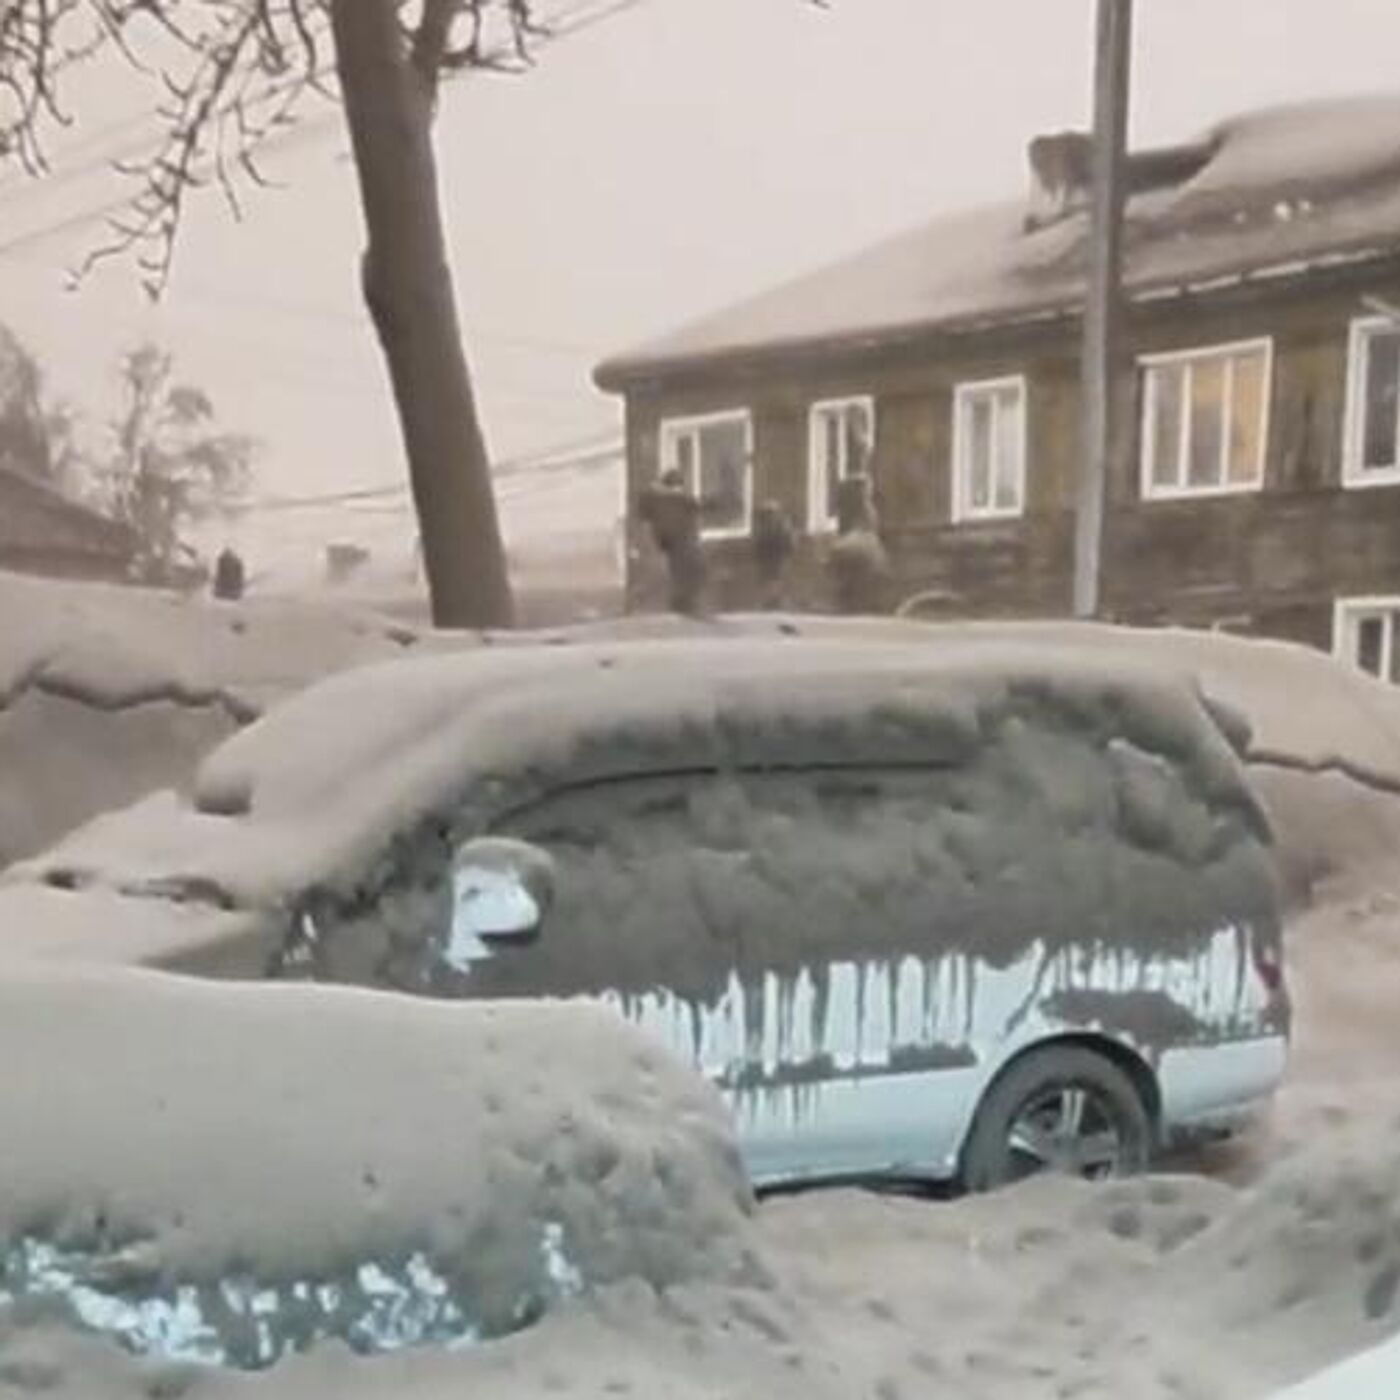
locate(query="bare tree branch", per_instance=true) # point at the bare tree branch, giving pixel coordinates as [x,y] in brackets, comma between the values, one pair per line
[430,39]
[232,74]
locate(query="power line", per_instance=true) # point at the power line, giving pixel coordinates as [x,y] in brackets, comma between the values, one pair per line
[518,393]
[564,28]
[597,449]
[202,294]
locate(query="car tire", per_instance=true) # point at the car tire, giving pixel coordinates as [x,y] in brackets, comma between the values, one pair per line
[1064,1108]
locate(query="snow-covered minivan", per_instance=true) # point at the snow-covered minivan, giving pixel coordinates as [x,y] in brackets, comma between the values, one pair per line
[949,909]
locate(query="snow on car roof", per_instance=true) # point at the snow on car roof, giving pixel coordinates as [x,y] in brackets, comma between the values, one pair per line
[318,787]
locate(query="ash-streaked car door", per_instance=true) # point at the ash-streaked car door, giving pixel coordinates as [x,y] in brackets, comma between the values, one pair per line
[845,1044]
[747,918]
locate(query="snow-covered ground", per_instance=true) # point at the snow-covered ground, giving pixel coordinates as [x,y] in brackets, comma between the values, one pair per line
[1252,1267]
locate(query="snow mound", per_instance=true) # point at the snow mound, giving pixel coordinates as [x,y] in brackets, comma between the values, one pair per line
[232,1174]
[1307,1268]
[107,693]
[115,647]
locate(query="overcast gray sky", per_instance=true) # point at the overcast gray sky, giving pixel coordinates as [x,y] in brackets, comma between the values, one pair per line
[676,157]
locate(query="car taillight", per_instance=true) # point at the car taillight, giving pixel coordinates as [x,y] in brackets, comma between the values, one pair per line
[1268,963]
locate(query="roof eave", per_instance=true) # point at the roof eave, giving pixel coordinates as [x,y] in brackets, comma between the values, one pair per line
[628,373]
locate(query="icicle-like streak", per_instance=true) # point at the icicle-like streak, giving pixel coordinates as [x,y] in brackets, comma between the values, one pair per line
[851,1020]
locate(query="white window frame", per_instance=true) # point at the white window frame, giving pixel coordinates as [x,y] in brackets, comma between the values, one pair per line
[820,521]
[1347,612]
[1355,475]
[1149,488]
[674,428]
[963,509]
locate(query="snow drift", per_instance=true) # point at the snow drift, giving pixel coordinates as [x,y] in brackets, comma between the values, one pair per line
[231,1174]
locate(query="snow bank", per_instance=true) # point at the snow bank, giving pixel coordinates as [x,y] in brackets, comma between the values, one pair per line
[1324,740]
[107,693]
[230,1174]
[115,647]
[1306,1269]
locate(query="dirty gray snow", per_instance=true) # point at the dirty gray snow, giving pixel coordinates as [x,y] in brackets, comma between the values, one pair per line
[230,1174]
[108,693]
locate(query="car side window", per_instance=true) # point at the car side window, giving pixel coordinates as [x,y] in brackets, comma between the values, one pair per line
[688,881]
[650,884]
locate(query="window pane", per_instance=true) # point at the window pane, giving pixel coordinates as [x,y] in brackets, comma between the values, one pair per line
[1165,386]
[1247,413]
[831,460]
[1207,422]
[979,452]
[723,450]
[683,456]
[1370,643]
[1382,385]
[858,439]
[1008,449]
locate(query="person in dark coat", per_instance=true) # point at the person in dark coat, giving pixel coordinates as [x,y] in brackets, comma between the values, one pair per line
[773,543]
[857,565]
[673,514]
[230,577]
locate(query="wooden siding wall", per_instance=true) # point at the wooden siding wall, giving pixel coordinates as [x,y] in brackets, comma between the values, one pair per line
[39,534]
[1270,561]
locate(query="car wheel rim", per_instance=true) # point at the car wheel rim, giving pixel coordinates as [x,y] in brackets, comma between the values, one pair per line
[1070,1129]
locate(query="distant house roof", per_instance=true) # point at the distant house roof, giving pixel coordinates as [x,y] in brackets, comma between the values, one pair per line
[41,528]
[1270,194]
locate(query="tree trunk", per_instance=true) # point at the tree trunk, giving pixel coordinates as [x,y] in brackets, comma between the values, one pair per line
[408,290]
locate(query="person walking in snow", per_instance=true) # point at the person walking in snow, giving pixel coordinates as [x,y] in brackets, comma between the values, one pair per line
[773,543]
[673,514]
[230,577]
[857,565]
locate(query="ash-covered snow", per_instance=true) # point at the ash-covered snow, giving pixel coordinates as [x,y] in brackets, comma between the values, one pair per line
[1330,166]
[108,693]
[1317,151]
[231,1174]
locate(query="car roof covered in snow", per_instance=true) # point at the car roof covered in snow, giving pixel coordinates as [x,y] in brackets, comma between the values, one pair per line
[319,788]
[1271,194]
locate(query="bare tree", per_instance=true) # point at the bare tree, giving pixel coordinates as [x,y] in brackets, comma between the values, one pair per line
[232,76]
[169,463]
[37,431]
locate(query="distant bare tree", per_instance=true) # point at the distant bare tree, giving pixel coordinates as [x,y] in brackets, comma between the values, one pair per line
[37,432]
[170,464]
[231,75]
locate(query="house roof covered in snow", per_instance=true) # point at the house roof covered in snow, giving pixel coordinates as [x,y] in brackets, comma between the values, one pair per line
[1269,195]
[36,518]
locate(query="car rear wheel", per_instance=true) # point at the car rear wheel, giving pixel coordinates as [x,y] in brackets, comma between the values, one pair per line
[1062,1109]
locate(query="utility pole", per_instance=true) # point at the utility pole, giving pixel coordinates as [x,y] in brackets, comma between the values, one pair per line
[1102,311]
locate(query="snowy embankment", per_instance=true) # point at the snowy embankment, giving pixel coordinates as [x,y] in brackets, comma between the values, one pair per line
[230,1175]
[109,693]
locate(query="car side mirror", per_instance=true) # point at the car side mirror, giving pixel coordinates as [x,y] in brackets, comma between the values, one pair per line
[501,892]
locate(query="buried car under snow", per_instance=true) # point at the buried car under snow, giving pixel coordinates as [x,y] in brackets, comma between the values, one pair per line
[965,910]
